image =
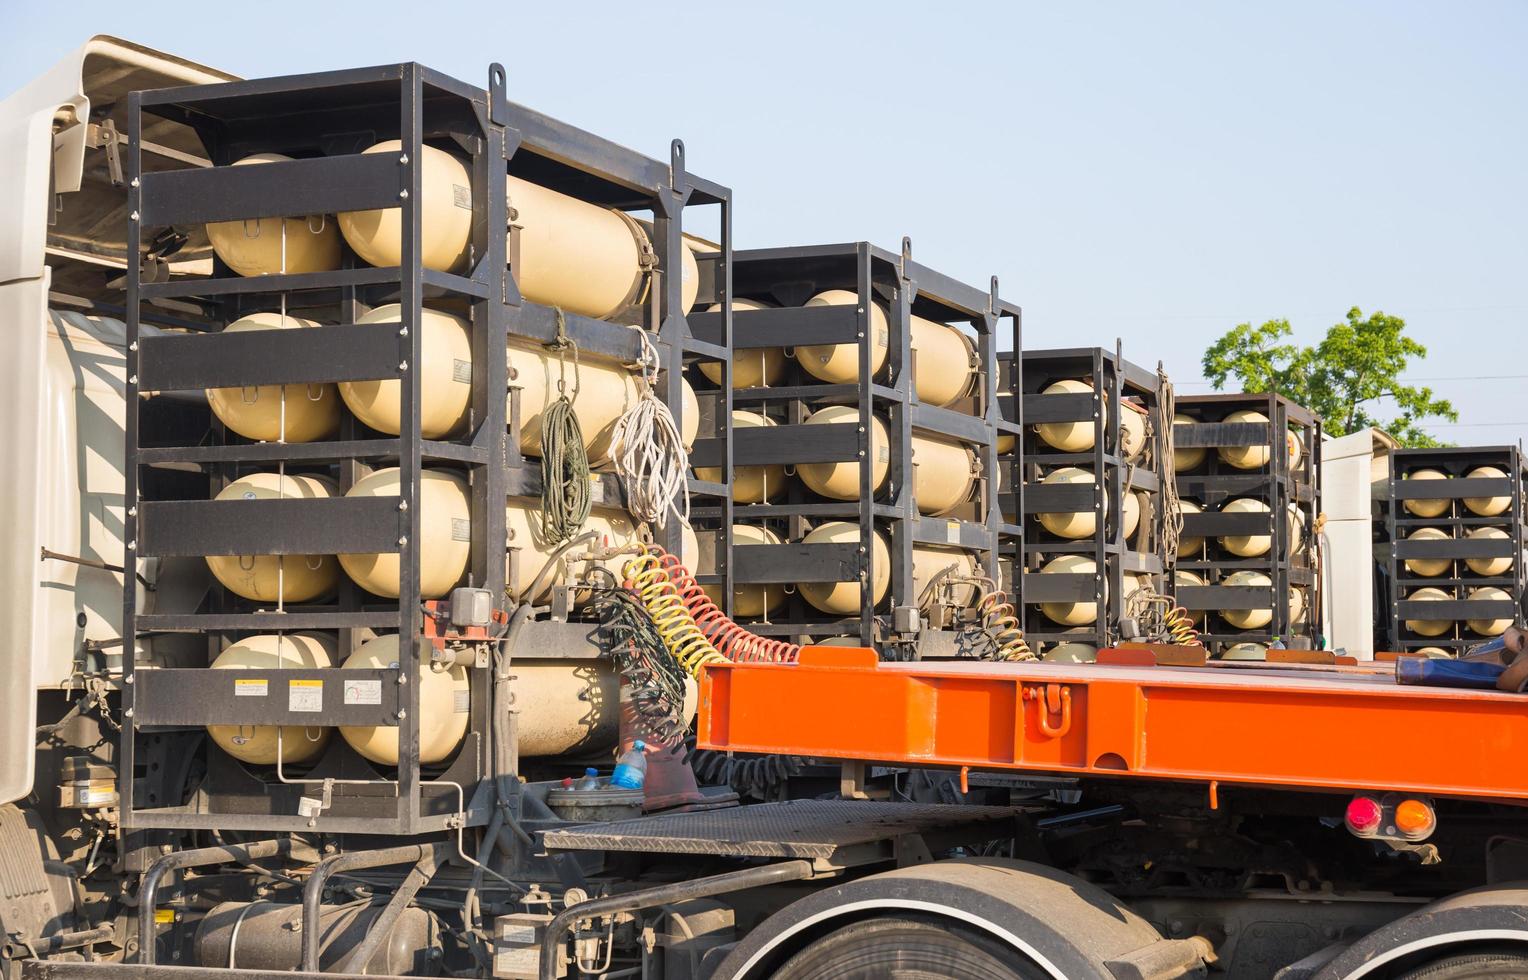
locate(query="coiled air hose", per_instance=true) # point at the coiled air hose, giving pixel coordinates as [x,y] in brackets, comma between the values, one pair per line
[1000,621]
[693,629]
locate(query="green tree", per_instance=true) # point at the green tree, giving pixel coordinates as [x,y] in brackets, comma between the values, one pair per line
[1343,379]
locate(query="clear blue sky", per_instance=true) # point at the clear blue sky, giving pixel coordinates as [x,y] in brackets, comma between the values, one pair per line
[1158,172]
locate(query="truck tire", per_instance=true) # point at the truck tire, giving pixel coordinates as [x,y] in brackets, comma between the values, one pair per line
[1484,965]
[909,945]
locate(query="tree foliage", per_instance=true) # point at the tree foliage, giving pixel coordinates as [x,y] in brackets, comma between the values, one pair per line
[1350,376]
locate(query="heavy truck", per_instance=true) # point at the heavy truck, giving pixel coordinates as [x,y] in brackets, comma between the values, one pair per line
[928,813]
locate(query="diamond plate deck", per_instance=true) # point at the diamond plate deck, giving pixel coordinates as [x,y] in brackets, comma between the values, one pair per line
[796,829]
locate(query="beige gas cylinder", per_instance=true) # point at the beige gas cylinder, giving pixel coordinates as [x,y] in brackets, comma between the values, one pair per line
[843,598]
[1424,507]
[1248,619]
[445,378]
[1489,627]
[1132,431]
[839,363]
[944,359]
[445,225]
[1190,547]
[311,411]
[751,601]
[1185,460]
[1070,613]
[841,481]
[1296,527]
[302,577]
[254,247]
[1433,653]
[943,472]
[1070,437]
[604,392]
[929,562]
[445,534]
[1076,524]
[755,367]
[750,484]
[689,422]
[1255,457]
[1429,627]
[1487,506]
[1487,567]
[1428,567]
[445,703]
[522,527]
[1245,651]
[582,257]
[573,706]
[1184,577]
[1246,545]
[256,744]
[1070,653]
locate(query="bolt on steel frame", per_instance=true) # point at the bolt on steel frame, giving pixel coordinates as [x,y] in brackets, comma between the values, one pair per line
[789,277]
[1278,484]
[324,120]
[1456,522]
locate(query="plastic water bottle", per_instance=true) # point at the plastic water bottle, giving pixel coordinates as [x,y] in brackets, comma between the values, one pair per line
[1277,644]
[631,771]
[591,779]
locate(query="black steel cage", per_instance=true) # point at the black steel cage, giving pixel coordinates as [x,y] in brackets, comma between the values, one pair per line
[177,461]
[1285,487]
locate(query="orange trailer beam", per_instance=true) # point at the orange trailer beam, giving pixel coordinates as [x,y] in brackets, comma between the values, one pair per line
[1343,729]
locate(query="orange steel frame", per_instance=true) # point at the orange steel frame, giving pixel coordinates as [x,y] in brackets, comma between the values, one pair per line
[1339,729]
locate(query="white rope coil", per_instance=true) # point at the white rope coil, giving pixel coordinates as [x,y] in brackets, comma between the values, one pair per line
[648,451]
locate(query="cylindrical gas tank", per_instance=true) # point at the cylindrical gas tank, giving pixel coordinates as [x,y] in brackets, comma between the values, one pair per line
[1189,547]
[843,598]
[1246,545]
[929,562]
[1070,653]
[1487,506]
[689,421]
[522,527]
[445,378]
[1257,456]
[1132,431]
[1429,627]
[601,391]
[1249,619]
[311,411]
[1433,653]
[1070,437]
[256,744]
[1245,651]
[255,247]
[1075,524]
[943,473]
[566,706]
[301,577]
[1428,567]
[1489,627]
[1184,577]
[752,367]
[1185,460]
[1425,507]
[750,484]
[944,359]
[1487,567]
[445,703]
[839,363]
[841,481]
[751,601]
[445,534]
[446,222]
[1070,613]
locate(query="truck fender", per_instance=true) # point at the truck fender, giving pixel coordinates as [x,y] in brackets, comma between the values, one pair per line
[1068,928]
[1495,915]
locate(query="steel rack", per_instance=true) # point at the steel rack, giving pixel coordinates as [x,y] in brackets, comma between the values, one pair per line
[1283,487]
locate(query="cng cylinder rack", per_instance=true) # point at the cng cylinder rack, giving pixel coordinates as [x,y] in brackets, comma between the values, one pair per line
[175,466]
[1473,536]
[1285,480]
[1119,562]
[772,311]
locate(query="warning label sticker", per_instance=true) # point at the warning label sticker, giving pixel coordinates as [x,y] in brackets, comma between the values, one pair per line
[363,692]
[461,371]
[596,488]
[249,687]
[462,701]
[952,532]
[461,529]
[305,695]
[461,196]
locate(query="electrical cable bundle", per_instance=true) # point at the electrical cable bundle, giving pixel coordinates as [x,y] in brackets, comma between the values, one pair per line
[652,679]
[648,451]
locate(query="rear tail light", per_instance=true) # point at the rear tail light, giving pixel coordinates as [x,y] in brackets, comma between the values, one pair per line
[1392,816]
[1364,815]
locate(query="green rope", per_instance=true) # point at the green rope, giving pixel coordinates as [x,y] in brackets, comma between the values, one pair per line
[565,498]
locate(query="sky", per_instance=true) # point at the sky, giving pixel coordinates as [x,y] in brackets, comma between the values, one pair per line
[1153,172]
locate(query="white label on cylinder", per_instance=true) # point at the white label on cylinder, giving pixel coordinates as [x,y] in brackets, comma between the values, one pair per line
[952,532]
[461,371]
[461,529]
[305,695]
[249,687]
[596,488]
[461,196]
[363,692]
[461,701]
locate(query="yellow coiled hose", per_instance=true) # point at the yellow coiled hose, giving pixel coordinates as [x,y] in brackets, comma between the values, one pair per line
[1000,621]
[647,576]
[1180,628]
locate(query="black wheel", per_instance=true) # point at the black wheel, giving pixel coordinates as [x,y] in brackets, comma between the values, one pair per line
[906,947]
[1484,965]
